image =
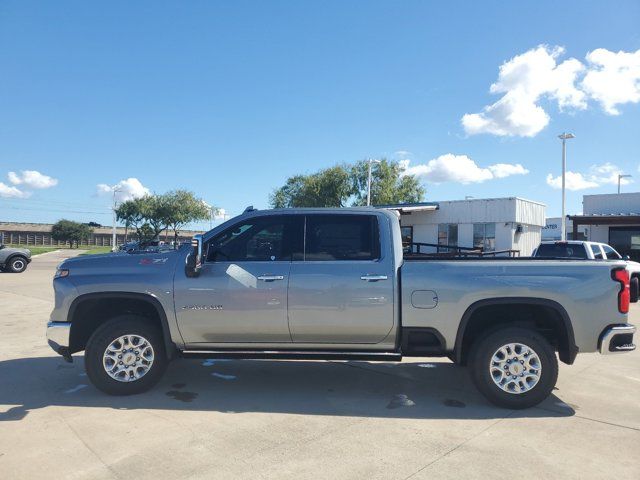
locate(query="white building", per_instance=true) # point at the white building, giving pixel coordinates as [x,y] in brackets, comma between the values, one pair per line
[613,219]
[495,224]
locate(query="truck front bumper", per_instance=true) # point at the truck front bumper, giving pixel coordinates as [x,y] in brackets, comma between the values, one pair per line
[617,339]
[58,334]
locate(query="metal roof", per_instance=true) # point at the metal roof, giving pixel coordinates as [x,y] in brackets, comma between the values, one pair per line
[411,207]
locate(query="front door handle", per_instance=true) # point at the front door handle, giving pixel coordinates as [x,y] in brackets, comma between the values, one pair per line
[373,278]
[270,278]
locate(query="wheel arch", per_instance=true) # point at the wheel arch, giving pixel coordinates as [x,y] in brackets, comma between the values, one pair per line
[567,349]
[128,302]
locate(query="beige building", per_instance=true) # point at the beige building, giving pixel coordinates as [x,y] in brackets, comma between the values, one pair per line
[40,234]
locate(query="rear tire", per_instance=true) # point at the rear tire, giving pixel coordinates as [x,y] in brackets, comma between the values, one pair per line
[16,264]
[125,356]
[513,368]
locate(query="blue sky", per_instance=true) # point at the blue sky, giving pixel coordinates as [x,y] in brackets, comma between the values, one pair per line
[228,99]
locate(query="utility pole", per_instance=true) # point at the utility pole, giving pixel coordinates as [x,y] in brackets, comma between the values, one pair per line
[371,160]
[563,227]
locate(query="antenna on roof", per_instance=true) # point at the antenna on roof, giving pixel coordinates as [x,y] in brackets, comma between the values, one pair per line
[249,209]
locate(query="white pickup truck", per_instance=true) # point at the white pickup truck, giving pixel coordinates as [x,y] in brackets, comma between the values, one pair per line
[335,284]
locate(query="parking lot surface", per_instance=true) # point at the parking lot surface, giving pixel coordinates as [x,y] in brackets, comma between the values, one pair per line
[418,419]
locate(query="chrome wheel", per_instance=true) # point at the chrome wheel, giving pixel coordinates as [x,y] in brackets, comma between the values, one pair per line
[515,368]
[128,358]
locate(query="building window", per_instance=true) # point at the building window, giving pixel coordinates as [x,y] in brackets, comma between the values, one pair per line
[447,236]
[407,237]
[626,240]
[484,236]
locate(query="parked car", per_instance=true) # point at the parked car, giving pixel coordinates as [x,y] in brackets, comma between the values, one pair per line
[14,260]
[334,284]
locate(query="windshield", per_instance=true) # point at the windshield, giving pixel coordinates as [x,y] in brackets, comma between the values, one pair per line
[561,250]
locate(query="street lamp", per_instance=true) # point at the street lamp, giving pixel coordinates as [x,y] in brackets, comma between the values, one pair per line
[115,190]
[369,180]
[620,177]
[564,137]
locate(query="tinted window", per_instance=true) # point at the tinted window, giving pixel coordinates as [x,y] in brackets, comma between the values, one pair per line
[597,253]
[256,240]
[561,250]
[484,236]
[610,252]
[342,237]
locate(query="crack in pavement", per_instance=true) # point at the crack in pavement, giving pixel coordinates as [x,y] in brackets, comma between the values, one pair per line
[450,451]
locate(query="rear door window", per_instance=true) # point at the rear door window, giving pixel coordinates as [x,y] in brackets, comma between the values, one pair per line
[597,253]
[342,237]
[561,250]
[611,253]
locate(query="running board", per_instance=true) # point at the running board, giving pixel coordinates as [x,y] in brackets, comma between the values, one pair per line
[294,355]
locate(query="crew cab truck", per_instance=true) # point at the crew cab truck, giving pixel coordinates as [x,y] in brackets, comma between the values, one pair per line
[334,284]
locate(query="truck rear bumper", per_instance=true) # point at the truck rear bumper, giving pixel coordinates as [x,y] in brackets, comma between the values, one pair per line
[58,334]
[617,339]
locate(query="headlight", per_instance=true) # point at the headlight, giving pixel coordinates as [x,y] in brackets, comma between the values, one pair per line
[61,273]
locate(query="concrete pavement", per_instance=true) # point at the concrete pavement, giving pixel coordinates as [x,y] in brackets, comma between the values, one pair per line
[298,419]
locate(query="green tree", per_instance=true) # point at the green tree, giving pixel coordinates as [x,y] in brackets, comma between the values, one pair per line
[129,213]
[336,186]
[153,211]
[388,184]
[330,187]
[181,207]
[69,231]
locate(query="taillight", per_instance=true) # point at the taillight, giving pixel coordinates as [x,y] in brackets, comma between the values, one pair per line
[624,296]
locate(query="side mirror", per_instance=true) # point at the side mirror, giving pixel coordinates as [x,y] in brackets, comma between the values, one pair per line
[626,257]
[193,263]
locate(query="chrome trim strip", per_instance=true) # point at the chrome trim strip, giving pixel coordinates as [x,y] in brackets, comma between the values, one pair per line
[610,333]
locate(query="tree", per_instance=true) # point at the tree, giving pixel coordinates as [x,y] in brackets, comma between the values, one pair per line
[181,207]
[153,211]
[129,213]
[69,231]
[336,186]
[388,184]
[330,187]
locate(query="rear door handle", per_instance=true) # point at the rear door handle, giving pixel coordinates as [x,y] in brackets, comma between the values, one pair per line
[373,278]
[270,278]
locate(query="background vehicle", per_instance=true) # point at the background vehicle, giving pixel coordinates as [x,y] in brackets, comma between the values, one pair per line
[334,284]
[587,250]
[14,260]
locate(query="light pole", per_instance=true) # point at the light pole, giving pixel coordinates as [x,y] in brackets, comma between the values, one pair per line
[620,177]
[115,190]
[371,160]
[564,137]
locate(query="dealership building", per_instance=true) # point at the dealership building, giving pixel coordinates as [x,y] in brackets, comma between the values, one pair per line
[613,219]
[510,225]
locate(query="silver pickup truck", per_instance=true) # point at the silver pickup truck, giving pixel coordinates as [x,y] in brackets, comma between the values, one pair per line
[334,284]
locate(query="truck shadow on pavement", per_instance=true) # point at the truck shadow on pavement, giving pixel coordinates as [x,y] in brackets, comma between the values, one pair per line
[411,389]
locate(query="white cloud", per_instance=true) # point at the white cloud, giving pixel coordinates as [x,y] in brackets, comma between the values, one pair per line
[127,189]
[525,80]
[7,191]
[403,153]
[607,173]
[461,169]
[502,170]
[573,181]
[609,78]
[613,78]
[32,179]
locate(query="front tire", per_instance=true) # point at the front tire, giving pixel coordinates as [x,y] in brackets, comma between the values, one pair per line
[125,356]
[17,264]
[513,368]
